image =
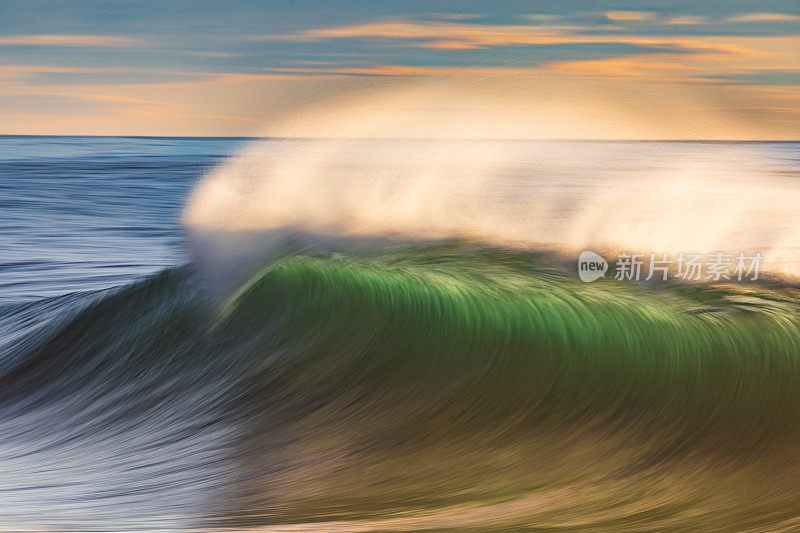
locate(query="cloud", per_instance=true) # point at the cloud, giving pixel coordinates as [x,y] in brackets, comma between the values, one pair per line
[629,16]
[109,99]
[50,69]
[102,41]
[687,20]
[624,66]
[26,72]
[537,17]
[454,16]
[382,70]
[758,68]
[477,35]
[197,53]
[773,109]
[445,35]
[764,17]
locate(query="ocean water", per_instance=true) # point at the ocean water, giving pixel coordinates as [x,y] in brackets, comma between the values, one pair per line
[84,213]
[392,336]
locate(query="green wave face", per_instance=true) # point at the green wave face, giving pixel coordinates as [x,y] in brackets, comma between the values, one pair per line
[442,378]
[450,387]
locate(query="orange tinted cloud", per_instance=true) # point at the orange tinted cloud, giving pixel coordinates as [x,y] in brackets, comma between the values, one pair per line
[469,36]
[686,20]
[450,45]
[625,66]
[764,17]
[69,40]
[45,69]
[109,99]
[629,16]
[746,56]
[388,71]
[473,34]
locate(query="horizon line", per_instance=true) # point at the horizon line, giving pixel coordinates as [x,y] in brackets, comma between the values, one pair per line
[471,139]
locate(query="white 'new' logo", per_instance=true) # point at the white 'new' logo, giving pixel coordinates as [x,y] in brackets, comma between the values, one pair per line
[591,266]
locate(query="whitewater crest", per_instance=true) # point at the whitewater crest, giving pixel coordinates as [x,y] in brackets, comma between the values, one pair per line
[562,196]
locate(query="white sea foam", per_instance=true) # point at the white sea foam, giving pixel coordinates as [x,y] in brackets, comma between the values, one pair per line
[568,196]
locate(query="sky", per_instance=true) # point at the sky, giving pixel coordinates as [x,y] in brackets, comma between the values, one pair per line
[718,69]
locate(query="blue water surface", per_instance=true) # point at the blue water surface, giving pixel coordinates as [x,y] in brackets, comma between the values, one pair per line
[86,213]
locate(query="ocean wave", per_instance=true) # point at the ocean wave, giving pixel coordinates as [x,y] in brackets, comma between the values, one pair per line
[417,385]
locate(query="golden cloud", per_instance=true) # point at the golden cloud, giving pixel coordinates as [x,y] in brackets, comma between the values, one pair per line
[764,17]
[629,16]
[69,40]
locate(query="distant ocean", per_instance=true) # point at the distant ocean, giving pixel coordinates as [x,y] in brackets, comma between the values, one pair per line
[391,335]
[84,213]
